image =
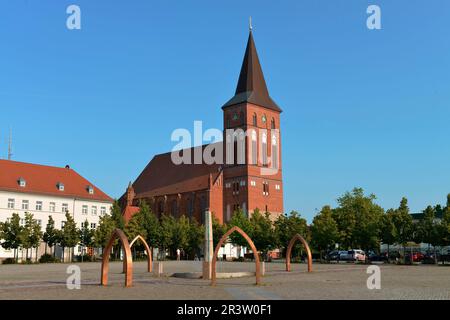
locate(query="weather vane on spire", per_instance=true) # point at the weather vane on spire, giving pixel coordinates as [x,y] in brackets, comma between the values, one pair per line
[250,23]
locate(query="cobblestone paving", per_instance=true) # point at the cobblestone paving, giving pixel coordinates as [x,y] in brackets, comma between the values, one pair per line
[328,281]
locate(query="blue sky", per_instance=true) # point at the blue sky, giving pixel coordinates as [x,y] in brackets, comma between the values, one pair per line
[367,108]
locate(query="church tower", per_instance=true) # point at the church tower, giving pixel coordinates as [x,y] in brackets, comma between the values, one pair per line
[252,144]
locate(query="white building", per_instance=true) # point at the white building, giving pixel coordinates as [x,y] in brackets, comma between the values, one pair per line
[44,191]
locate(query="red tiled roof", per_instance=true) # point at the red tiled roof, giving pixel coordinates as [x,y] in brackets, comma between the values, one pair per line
[162,177]
[42,179]
[129,212]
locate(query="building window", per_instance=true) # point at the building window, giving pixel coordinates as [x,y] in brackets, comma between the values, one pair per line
[90,189]
[25,204]
[189,208]
[255,120]
[254,159]
[253,183]
[22,222]
[236,187]
[84,209]
[265,188]
[93,225]
[11,203]
[272,124]
[52,207]
[39,222]
[228,122]
[38,205]
[274,152]
[227,185]
[22,182]
[63,223]
[94,210]
[103,210]
[174,208]
[64,208]
[277,187]
[60,186]
[82,225]
[242,183]
[264,149]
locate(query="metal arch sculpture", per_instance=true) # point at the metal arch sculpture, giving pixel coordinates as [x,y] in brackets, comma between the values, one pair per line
[252,246]
[294,239]
[128,263]
[147,249]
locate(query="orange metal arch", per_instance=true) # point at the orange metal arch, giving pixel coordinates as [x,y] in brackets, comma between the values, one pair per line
[128,263]
[294,239]
[147,249]
[252,246]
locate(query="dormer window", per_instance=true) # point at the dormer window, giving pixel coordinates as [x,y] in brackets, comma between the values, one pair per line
[22,182]
[90,189]
[60,186]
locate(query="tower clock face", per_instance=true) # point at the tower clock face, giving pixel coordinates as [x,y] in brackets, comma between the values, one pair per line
[264,118]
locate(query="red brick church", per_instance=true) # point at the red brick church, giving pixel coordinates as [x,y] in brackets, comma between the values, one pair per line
[253,182]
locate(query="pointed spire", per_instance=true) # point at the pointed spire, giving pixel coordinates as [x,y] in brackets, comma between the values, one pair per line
[251,85]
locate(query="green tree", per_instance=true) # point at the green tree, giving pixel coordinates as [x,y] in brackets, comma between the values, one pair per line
[403,224]
[180,234]
[27,232]
[50,235]
[70,235]
[86,237]
[166,233]
[358,218]
[150,224]
[426,227]
[196,235]
[262,232]
[239,219]
[287,226]
[11,233]
[104,231]
[135,227]
[218,230]
[324,230]
[117,217]
[35,236]
[388,231]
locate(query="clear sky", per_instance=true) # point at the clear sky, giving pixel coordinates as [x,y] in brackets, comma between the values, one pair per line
[366,108]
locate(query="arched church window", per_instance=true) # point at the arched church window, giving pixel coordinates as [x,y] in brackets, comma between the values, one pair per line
[272,124]
[174,208]
[274,151]
[255,120]
[254,147]
[264,149]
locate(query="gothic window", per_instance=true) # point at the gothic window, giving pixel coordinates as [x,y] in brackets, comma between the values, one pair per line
[174,208]
[202,209]
[274,152]
[241,116]
[255,120]
[241,147]
[189,207]
[228,122]
[254,148]
[264,149]
[160,207]
[272,124]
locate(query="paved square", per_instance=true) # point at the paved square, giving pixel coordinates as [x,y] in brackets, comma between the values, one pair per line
[327,281]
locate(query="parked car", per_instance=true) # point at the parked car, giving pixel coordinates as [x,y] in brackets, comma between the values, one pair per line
[372,257]
[352,255]
[332,255]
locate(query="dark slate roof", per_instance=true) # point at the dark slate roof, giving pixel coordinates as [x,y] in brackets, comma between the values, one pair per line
[251,86]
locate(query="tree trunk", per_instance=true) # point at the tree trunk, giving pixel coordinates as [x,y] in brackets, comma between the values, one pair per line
[37,254]
[46,248]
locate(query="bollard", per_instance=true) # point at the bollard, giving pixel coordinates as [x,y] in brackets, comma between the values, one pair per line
[159,269]
[263,268]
